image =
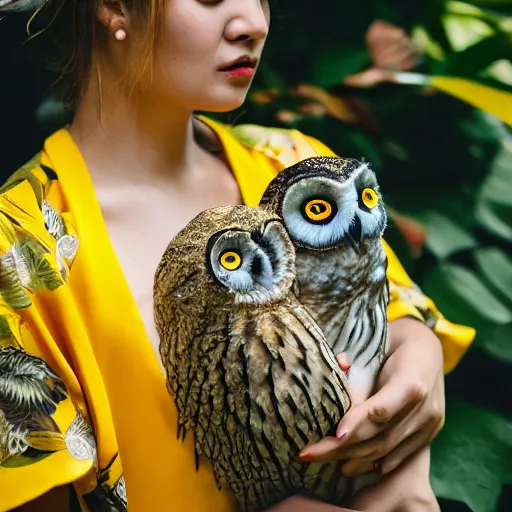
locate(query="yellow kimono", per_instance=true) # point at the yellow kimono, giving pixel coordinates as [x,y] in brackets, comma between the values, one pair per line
[81,389]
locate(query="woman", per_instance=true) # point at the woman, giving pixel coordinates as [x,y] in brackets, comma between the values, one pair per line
[83,227]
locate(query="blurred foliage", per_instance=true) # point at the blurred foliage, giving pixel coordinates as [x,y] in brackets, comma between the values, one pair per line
[444,167]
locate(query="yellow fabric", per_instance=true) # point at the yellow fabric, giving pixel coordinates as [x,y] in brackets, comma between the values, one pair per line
[75,349]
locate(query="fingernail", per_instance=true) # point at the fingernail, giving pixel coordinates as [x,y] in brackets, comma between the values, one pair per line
[387,469]
[340,434]
[305,457]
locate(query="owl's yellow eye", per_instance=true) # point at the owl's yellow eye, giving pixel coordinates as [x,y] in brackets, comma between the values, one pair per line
[230,260]
[318,210]
[370,198]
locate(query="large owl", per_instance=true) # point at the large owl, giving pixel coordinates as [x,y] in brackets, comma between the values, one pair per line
[249,370]
[333,210]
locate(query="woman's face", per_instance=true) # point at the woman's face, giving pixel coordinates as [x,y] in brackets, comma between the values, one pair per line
[209,51]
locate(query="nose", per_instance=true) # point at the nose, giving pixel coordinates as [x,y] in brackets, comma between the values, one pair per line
[250,23]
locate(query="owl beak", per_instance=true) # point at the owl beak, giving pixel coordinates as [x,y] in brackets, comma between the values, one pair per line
[355,233]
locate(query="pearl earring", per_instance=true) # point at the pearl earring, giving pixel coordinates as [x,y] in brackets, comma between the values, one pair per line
[120,34]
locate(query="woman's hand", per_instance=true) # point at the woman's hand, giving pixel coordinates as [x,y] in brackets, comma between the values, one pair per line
[405,413]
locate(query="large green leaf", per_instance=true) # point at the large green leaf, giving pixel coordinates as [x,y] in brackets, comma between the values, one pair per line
[472,456]
[496,266]
[497,188]
[464,298]
[445,237]
[497,341]
[487,215]
[494,204]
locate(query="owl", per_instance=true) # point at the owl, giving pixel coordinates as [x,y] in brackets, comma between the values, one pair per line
[249,370]
[333,211]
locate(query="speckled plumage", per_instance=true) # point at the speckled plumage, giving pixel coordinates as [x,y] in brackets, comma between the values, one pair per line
[341,264]
[250,371]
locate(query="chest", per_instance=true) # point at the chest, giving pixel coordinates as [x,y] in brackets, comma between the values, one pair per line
[141,221]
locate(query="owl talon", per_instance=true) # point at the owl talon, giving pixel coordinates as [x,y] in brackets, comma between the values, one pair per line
[343,361]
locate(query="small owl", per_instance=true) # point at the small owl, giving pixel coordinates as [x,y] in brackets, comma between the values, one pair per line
[334,214]
[249,370]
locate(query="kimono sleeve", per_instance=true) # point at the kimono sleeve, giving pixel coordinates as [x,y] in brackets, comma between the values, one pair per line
[38,418]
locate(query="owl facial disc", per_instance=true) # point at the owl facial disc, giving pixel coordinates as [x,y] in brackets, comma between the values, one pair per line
[328,207]
[256,266]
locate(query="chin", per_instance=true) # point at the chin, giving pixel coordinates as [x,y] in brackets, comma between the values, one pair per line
[225,101]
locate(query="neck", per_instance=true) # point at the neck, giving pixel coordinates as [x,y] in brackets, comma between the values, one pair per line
[133,137]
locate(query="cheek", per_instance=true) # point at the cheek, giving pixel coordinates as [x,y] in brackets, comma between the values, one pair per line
[189,37]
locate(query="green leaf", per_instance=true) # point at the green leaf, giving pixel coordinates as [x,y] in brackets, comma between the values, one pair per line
[496,266]
[459,10]
[42,273]
[444,237]
[494,203]
[496,341]
[491,220]
[18,461]
[464,298]
[503,5]
[464,30]
[472,456]
[11,289]
[501,70]
[497,188]
[479,56]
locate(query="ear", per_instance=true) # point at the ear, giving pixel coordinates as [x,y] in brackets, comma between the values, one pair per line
[112,15]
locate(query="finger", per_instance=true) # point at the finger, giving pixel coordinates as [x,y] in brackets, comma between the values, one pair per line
[359,467]
[363,450]
[330,449]
[381,445]
[324,450]
[343,361]
[403,451]
[366,420]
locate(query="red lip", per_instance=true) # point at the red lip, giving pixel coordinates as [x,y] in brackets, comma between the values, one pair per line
[243,66]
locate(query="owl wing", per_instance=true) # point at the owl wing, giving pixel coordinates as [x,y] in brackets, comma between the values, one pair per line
[303,382]
[285,389]
[193,340]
